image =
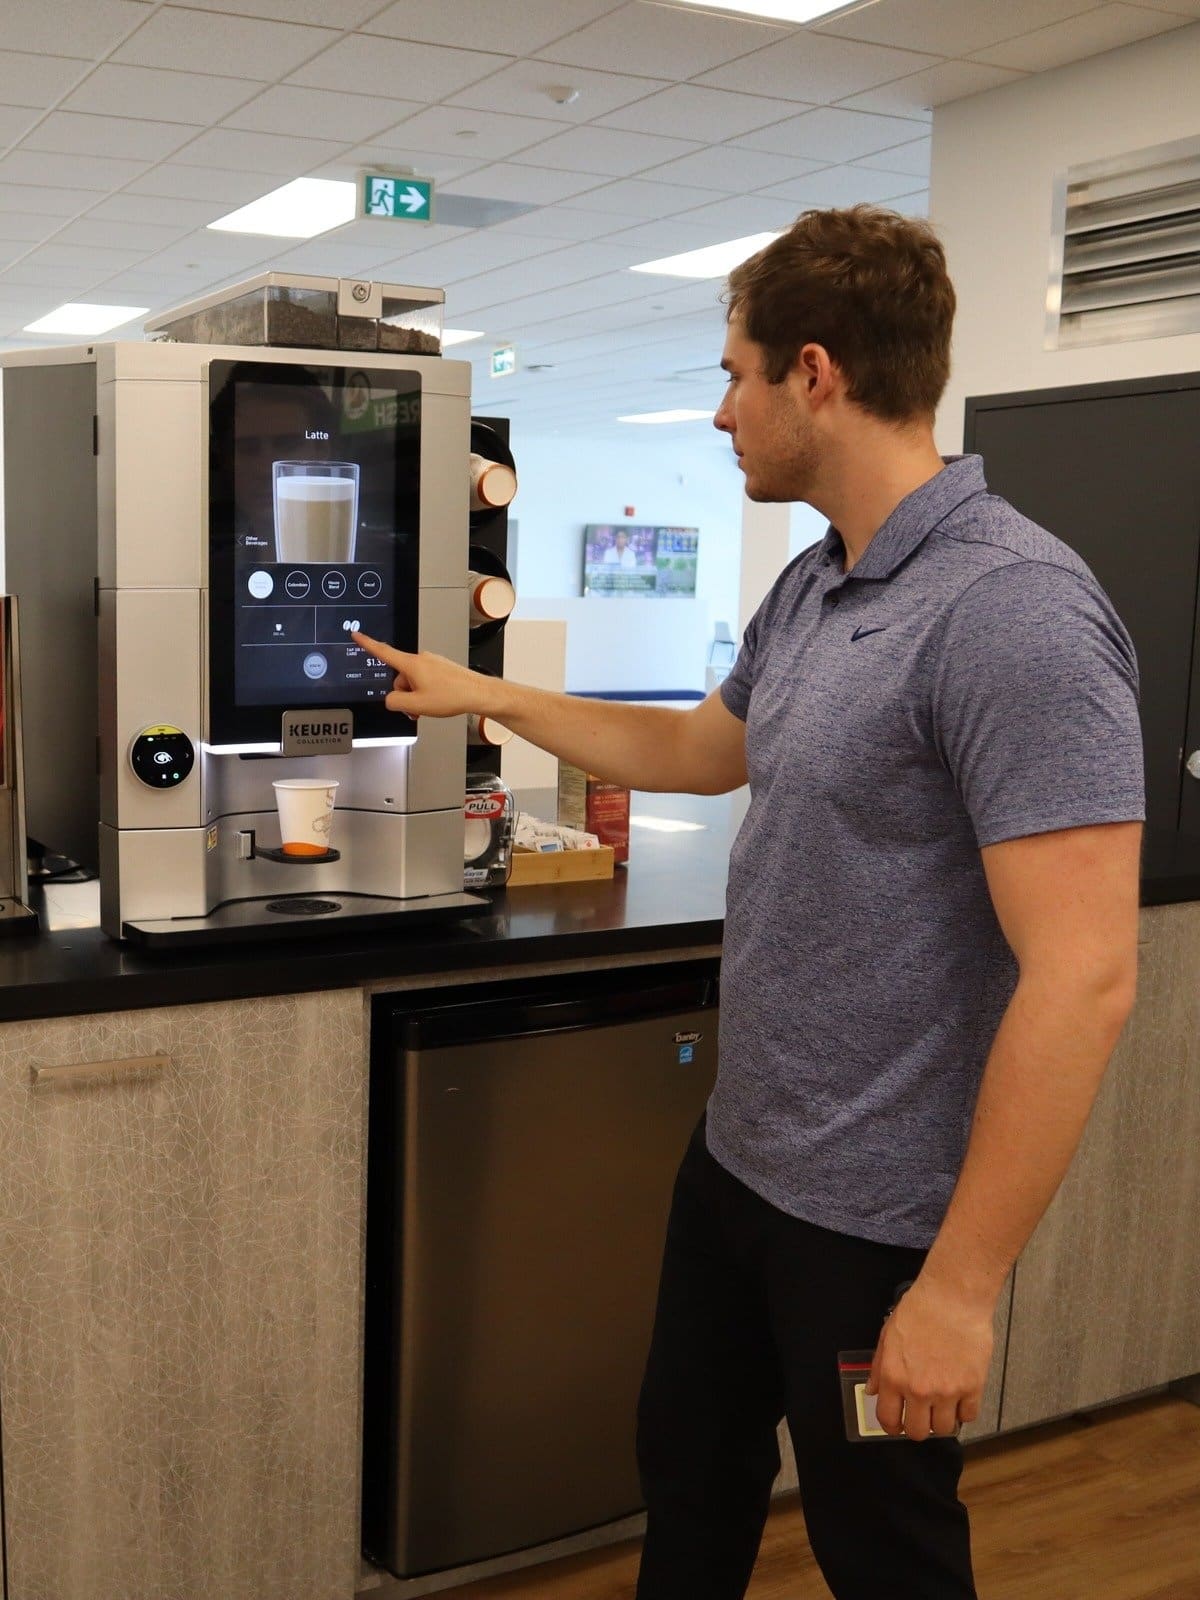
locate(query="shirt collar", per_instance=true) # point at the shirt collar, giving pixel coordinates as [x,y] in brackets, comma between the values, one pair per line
[912,521]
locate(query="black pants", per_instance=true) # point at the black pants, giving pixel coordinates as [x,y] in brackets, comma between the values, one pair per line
[753,1308]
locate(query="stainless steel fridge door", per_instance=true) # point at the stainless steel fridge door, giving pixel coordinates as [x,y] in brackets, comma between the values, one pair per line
[537,1178]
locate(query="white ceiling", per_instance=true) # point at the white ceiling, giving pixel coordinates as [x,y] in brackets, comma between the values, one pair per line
[126,126]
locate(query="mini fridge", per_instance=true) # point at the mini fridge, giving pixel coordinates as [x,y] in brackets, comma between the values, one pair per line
[522,1148]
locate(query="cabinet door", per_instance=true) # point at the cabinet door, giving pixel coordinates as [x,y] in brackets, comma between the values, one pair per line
[1117,477]
[1106,1297]
[179,1303]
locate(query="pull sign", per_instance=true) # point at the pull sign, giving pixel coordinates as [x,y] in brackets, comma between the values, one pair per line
[313,733]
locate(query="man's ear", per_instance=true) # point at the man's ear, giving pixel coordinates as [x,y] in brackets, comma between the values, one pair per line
[813,374]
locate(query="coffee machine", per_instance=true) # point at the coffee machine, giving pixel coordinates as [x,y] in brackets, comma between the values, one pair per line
[287,462]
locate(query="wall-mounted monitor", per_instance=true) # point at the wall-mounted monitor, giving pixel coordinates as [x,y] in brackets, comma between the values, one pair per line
[639,559]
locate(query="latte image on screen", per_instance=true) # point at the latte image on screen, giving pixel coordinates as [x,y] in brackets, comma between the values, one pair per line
[316,510]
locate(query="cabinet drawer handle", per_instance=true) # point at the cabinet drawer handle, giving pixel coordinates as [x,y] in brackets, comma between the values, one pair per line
[84,1072]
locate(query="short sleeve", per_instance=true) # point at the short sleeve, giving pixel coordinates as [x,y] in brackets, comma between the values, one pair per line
[1035,704]
[737,688]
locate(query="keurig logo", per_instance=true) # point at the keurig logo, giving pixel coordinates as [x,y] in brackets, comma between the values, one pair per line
[308,733]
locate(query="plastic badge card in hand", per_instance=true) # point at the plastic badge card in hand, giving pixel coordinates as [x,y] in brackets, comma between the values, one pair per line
[858,1407]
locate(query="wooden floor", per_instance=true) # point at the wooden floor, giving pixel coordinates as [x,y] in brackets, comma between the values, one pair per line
[1099,1509]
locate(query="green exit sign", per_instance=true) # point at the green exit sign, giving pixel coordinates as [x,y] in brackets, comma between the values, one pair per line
[399,198]
[504,361]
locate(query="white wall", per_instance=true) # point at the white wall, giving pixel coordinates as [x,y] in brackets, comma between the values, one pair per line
[679,476]
[995,157]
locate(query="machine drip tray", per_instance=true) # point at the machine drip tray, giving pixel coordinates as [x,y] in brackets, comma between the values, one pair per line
[301,916]
[298,861]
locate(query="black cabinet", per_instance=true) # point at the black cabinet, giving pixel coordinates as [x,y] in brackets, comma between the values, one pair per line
[1113,470]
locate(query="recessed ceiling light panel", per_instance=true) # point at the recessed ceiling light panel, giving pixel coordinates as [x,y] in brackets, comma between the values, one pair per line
[459,336]
[798,11]
[710,261]
[299,210]
[669,416]
[78,317]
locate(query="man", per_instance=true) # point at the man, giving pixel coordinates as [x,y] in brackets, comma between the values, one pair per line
[930,939]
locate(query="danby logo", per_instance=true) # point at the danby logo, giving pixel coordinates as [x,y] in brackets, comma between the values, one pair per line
[318,730]
[688,1038]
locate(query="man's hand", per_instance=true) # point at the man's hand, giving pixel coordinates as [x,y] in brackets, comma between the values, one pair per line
[931,1362]
[427,685]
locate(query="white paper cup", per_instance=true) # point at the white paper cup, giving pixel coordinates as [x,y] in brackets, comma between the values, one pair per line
[305,808]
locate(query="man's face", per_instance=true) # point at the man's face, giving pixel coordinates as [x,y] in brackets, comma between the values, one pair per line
[772,435]
[622,539]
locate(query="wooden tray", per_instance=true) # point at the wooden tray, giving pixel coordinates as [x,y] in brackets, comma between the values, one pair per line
[559,866]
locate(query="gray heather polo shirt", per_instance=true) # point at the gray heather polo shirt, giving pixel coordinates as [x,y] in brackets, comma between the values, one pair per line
[967,682]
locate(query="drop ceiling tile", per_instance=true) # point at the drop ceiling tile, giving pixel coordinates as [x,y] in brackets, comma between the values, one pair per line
[957,29]
[660,41]
[637,197]
[1088,35]
[843,186]
[191,39]
[419,238]
[204,183]
[333,257]
[454,130]
[84,28]
[36,80]
[474,253]
[68,172]
[158,210]
[385,157]
[951,80]
[363,65]
[911,157]
[668,238]
[91,261]
[25,227]
[523,88]
[331,13]
[688,112]
[49,202]
[912,205]
[539,186]
[810,66]
[213,261]
[111,234]
[15,123]
[515,27]
[66,282]
[735,218]
[66,132]
[257,152]
[320,114]
[732,170]
[159,95]
[389,238]
[604,151]
[551,224]
[829,134]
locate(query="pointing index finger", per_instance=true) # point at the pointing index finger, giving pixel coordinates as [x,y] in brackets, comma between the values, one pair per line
[382,652]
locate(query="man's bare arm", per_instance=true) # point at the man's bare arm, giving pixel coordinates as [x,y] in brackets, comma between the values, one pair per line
[1068,905]
[646,747]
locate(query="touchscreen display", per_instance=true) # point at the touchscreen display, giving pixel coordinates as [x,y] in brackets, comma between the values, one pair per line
[315,519]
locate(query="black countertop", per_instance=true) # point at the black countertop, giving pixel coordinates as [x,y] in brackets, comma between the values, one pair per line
[671,896]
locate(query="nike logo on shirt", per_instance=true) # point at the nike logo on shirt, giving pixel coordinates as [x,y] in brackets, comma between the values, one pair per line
[861,633]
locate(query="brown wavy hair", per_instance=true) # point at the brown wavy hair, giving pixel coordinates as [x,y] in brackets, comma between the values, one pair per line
[870,286]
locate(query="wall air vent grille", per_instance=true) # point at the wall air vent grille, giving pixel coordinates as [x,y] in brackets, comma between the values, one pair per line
[1126,256]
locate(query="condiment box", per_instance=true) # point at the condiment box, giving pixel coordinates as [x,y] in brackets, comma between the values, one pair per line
[590,803]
